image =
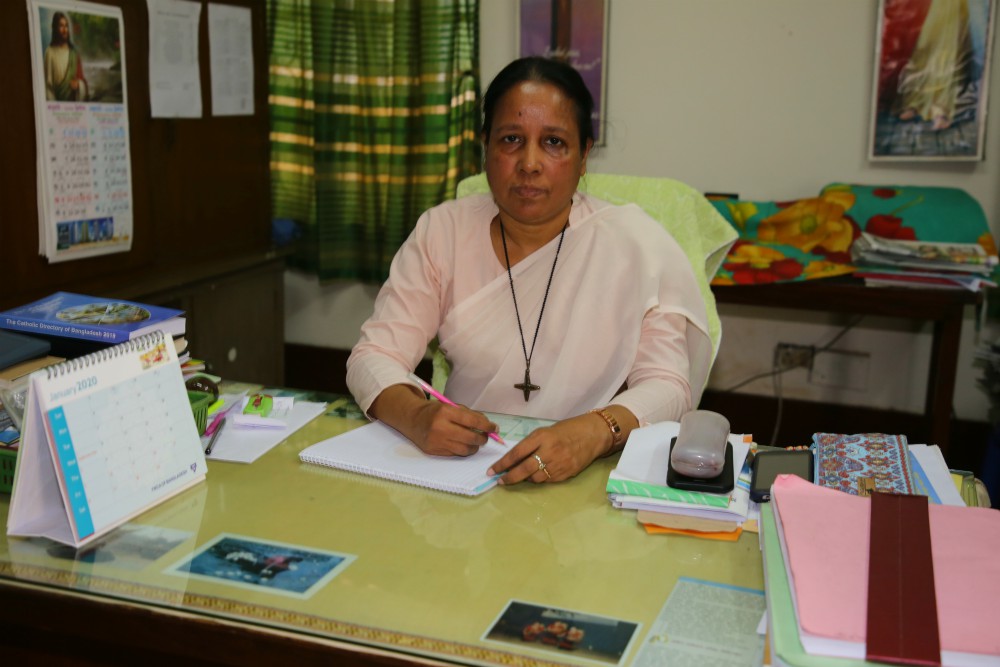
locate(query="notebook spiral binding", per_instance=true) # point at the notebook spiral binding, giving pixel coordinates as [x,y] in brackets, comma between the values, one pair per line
[143,342]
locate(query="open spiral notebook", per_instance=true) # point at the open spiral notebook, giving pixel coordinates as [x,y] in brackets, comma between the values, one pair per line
[380,451]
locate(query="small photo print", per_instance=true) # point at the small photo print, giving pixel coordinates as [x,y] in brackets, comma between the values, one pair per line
[256,564]
[594,638]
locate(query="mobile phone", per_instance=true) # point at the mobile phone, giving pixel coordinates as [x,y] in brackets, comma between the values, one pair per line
[768,465]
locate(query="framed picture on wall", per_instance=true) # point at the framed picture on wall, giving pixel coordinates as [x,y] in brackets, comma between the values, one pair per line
[575,31]
[929,90]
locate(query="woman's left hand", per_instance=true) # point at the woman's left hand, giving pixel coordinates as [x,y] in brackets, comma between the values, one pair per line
[555,453]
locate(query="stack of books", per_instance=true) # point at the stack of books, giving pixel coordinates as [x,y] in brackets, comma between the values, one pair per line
[19,357]
[639,482]
[65,325]
[76,324]
[861,464]
[891,262]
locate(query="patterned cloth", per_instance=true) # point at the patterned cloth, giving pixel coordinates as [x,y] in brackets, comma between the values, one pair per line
[860,464]
[812,238]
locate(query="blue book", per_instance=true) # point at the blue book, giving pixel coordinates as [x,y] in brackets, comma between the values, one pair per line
[88,318]
[15,348]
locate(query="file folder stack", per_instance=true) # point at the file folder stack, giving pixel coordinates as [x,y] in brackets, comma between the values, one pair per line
[816,549]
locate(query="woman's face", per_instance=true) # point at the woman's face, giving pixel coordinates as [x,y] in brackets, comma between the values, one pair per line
[533,154]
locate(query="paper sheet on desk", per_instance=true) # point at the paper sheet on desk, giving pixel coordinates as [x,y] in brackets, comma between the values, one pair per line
[933,466]
[705,623]
[645,461]
[246,445]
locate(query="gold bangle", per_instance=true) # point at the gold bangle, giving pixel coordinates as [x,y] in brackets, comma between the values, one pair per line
[616,430]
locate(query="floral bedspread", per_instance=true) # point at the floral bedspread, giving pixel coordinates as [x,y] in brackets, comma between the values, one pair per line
[812,237]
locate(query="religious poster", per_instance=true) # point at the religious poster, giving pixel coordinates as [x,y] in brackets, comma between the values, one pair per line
[82,132]
[931,73]
[576,32]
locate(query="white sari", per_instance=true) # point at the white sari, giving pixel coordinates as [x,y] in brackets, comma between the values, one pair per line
[623,307]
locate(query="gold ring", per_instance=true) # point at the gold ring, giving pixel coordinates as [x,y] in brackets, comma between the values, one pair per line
[542,466]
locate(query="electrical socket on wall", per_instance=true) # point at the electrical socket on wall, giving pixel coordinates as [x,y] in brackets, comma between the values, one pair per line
[841,369]
[790,355]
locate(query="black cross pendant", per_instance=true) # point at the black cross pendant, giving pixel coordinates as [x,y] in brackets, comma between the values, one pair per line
[526,386]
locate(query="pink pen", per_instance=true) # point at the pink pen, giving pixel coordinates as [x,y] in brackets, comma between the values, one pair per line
[219,418]
[444,399]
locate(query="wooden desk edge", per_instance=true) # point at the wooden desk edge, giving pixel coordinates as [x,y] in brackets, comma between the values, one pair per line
[124,632]
[903,302]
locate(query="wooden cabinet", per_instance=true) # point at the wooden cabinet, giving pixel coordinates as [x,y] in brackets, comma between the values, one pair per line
[238,326]
[235,317]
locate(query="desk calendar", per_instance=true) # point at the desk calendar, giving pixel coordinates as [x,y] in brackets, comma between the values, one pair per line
[105,437]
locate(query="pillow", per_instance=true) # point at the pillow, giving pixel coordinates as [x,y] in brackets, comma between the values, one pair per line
[916,213]
[812,238]
[788,241]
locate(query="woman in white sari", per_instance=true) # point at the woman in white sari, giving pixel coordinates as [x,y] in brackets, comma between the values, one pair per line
[546,302]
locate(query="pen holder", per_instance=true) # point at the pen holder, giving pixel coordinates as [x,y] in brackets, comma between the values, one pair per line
[200,400]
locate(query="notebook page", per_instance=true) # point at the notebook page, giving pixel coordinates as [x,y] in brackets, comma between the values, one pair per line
[386,453]
[379,450]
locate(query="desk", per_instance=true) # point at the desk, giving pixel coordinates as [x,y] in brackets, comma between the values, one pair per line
[432,570]
[945,308]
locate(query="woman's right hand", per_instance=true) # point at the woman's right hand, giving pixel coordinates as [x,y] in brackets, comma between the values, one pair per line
[451,430]
[436,428]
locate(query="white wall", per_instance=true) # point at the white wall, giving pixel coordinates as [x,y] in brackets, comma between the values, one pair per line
[769,99]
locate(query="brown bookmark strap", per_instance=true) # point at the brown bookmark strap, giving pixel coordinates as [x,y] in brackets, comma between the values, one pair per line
[902,607]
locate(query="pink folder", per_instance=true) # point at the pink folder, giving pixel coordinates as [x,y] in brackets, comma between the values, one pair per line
[825,538]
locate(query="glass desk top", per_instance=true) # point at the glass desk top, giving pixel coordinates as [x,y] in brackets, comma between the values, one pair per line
[418,572]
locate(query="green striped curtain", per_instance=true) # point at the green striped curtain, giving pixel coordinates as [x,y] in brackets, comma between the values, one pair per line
[374,119]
